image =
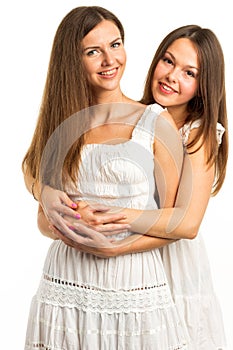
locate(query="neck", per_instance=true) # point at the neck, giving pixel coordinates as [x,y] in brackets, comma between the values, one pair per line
[109,96]
[179,115]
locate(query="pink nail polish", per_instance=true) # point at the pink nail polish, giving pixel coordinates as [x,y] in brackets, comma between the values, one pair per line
[74,205]
[78,216]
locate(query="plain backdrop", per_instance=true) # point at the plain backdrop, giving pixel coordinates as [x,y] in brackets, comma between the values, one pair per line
[27,29]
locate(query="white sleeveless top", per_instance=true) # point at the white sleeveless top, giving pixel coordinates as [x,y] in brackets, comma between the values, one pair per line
[121,174]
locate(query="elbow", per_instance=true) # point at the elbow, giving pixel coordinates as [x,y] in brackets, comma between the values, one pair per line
[187,230]
[191,233]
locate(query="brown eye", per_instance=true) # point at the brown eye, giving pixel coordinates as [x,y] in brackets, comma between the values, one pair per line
[190,74]
[92,53]
[167,60]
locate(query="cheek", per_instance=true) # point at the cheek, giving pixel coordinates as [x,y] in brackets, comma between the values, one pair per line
[160,71]
[190,89]
[90,66]
[121,57]
[156,73]
[155,79]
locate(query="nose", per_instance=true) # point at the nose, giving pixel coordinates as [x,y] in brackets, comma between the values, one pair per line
[108,58]
[173,75]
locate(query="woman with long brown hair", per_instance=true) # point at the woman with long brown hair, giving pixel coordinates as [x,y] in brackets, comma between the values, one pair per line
[94,142]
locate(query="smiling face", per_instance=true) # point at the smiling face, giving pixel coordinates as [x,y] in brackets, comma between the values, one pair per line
[104,57]
[175,78]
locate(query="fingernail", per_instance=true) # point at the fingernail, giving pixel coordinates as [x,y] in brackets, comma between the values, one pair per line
[73,205]
[71,227]
[78,216]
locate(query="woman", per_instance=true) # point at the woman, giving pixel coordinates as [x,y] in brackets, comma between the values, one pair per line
[180,79]
[84,301]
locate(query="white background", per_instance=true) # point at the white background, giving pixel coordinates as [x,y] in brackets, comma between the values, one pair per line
[27,29]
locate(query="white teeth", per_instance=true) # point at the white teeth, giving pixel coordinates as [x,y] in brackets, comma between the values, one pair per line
[109,72]
[166,88]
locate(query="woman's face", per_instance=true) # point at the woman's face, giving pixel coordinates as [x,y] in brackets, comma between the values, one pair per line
[104,57]
[176,75]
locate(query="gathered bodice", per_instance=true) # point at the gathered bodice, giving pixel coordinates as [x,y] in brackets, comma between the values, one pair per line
[121,174]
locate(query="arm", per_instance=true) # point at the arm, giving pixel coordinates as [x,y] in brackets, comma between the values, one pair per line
[44,225]
[182,221]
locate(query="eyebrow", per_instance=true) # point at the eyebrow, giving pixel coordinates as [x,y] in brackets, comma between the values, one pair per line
[175,60]
[97,47]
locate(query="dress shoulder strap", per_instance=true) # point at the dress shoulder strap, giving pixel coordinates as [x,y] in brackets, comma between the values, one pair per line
[144,131]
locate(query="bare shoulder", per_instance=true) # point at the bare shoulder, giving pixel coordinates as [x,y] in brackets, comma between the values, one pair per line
[167,116]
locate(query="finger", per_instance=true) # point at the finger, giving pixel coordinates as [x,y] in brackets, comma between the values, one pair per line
[110,218]
[113,233]
[112,227]
[84,230]
[99,207]
[90,237]
[67,201]
[63,210]
[64,226]
[64,239]
[68,236]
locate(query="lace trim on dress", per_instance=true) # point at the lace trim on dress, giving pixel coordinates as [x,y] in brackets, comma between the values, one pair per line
[89,298]
[41,346]
[45,347]
[186,129]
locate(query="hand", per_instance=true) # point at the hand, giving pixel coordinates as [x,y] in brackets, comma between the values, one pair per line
[90,241]
[87,240]
[60,212]
[101,219]
[55,205]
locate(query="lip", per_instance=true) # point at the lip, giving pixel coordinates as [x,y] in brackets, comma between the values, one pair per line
[109,74]
[166,89]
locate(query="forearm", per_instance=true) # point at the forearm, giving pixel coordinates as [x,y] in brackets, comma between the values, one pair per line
[44,225]
[140,243]
[33,186]
[166,223]
[184,219]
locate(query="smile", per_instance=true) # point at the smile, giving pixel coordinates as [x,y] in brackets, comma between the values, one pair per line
[167,89]
[109,72]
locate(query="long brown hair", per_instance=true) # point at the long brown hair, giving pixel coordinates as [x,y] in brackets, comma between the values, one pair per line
[209,104]
[66,89]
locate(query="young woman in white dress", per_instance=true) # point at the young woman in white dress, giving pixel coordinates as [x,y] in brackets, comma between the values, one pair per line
[96,143]
[180,78]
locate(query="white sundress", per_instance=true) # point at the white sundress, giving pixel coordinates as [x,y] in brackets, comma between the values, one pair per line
[119,303]
[188,271]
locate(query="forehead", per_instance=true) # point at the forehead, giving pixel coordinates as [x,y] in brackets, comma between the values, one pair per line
[105,31]
[185,50]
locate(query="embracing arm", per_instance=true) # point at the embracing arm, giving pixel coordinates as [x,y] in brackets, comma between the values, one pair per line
[184,219]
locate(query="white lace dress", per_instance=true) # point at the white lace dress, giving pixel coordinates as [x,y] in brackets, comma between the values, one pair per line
[188,271]
[85,302]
